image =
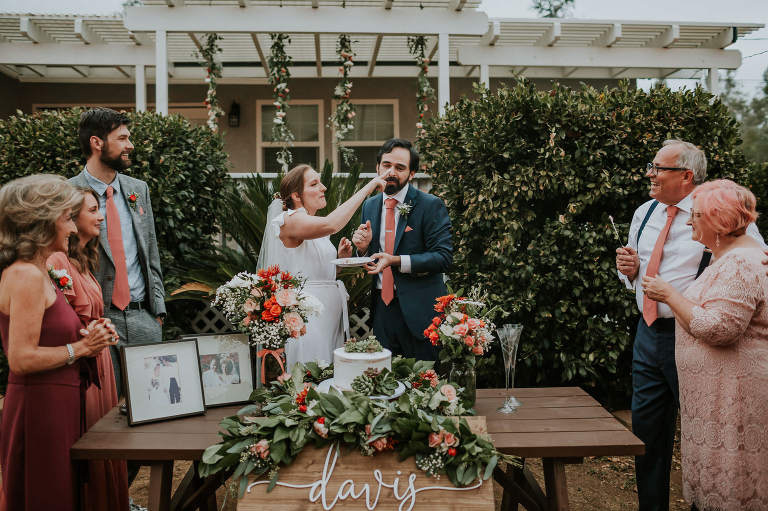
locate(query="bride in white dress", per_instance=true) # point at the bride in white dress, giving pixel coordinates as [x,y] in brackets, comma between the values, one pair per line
[299,242]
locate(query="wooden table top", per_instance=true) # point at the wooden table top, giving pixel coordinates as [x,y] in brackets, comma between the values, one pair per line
[552,422]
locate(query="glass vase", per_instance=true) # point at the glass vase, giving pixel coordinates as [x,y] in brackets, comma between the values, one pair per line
[463,375]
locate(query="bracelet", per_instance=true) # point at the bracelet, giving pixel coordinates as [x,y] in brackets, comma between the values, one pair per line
[71,351]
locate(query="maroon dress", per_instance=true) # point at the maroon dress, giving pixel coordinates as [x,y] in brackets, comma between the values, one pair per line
[42,418]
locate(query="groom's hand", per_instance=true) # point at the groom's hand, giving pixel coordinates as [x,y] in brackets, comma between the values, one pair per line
[362,237]
[380,261]
[345,248]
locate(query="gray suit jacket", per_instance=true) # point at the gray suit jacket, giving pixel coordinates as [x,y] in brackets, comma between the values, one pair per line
[144,229]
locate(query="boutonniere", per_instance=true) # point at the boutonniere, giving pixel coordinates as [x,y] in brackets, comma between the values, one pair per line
[61,278]
[404,209]
[132,198]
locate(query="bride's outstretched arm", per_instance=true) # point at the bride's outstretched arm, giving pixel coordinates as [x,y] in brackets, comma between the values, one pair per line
[301,226]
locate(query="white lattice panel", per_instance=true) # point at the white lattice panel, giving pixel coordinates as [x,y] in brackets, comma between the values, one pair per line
[360,324]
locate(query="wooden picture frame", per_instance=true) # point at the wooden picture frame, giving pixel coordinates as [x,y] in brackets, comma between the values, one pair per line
[162,381]
[226,368]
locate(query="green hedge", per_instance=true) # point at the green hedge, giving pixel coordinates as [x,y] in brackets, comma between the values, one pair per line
[530,178]
[185,167]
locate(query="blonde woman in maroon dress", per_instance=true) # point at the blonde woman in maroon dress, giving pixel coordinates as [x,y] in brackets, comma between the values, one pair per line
[107,481]
[45,344]
[721,351]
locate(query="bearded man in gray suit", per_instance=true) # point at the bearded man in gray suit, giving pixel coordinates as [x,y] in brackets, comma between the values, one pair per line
[129,261]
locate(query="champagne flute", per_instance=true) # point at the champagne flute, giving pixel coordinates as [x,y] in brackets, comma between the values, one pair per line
[509,338]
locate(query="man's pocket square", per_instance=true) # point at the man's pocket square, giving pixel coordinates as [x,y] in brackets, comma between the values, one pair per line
[408,228]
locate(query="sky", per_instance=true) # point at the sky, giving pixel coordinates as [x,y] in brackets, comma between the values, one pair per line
[748,76]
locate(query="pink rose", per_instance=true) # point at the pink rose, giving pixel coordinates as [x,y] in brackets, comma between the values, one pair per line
[250,306]
[320,429]
[450,439]
[474,323]
[368,429]
[435,439]
[284,377]
[380,444]
[477,350]
[286,297]
[261,449]
[460,329]
[293,323]
[469,341]
[449,391]
[256,292]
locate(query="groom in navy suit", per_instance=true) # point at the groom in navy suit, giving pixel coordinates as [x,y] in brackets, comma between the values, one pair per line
[408,234]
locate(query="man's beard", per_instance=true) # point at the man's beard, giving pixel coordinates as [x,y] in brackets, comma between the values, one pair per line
[392,187]
[116,164]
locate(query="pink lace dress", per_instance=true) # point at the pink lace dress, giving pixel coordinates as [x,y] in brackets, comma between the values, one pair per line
[722,366]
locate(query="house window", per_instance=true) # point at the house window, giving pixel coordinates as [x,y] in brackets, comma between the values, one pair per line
[305,118]
[376,121]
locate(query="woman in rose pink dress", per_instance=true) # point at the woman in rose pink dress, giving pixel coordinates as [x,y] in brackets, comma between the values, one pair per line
[721,352]
[107,482]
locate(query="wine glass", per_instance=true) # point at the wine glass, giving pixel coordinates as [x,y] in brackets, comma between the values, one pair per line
[509,338]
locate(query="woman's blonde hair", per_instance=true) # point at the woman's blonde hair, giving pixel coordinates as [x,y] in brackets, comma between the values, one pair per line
[29,209]
[86,258]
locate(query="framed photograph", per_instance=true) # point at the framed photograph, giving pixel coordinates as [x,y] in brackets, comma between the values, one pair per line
[162,381]
[225,363]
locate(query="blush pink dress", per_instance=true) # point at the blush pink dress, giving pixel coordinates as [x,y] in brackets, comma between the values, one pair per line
[722,366]
[107,483]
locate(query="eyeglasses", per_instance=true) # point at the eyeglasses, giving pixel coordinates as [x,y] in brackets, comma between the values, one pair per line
[654,169]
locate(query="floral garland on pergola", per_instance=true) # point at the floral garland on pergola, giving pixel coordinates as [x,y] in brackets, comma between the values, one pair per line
[424,93]
[213,73]
[279,62]
[341,120]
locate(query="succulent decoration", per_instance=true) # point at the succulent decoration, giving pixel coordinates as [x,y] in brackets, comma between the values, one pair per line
[368,345]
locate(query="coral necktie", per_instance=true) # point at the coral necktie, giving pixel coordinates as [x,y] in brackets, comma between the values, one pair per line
[387,279]
[651,307]
[121,292]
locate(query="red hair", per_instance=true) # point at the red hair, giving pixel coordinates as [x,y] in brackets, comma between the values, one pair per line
[725,207]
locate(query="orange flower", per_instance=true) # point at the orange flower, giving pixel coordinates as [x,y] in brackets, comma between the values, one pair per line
[275,310]
[436,322]
[266,316]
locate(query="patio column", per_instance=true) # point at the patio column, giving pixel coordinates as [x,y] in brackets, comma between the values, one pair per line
[141,89]
[713,81]
[443,79]
[485,79]
[161,72]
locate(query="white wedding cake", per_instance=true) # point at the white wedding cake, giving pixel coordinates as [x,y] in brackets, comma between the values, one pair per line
[347,365]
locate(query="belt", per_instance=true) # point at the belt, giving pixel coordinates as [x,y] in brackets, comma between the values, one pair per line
[137,306]
[664,325]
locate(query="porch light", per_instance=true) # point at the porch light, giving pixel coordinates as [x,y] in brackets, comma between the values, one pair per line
[234,115]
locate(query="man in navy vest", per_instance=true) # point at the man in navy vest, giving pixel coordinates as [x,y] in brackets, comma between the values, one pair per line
[408,234]
[660,243]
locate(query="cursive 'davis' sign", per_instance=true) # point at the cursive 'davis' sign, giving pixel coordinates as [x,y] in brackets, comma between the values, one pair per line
[332,478]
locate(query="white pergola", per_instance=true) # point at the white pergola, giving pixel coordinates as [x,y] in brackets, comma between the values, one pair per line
[157,42]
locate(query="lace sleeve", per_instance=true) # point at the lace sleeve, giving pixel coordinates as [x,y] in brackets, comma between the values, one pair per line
[728,304]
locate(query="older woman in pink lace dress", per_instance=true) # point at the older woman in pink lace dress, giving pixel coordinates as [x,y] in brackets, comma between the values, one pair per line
[722,356]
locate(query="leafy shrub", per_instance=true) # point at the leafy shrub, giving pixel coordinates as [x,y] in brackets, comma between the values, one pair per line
[185,167]
[530,178]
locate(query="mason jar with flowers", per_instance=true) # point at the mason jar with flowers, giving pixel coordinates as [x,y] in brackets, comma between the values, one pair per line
[271,307]
[462,329]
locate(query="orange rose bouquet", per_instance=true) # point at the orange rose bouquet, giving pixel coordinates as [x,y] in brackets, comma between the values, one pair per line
[269,306]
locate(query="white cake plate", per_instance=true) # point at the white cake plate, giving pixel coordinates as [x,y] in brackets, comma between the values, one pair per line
[325,387]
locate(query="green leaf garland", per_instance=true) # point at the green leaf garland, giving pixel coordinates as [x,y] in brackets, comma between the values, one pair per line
[425,94]
[342,119]
[213,72]
[279,62]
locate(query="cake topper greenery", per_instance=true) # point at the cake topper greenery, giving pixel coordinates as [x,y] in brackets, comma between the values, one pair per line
[367,345]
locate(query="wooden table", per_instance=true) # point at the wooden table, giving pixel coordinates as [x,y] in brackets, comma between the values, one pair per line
[159,445]
[561,425]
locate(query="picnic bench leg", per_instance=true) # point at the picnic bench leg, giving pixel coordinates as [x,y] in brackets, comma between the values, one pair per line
[160,479]
[518,490]
[556,482]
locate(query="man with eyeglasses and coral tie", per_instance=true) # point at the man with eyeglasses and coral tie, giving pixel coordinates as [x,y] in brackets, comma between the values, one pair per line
[129,261]
[660,243]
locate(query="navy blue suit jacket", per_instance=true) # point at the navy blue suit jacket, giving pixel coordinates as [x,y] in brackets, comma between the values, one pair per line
[427,242]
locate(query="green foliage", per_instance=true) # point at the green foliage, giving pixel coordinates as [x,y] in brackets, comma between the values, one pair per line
[367,345]
[552,8]
[185,167]
[752,112]
[529,179]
